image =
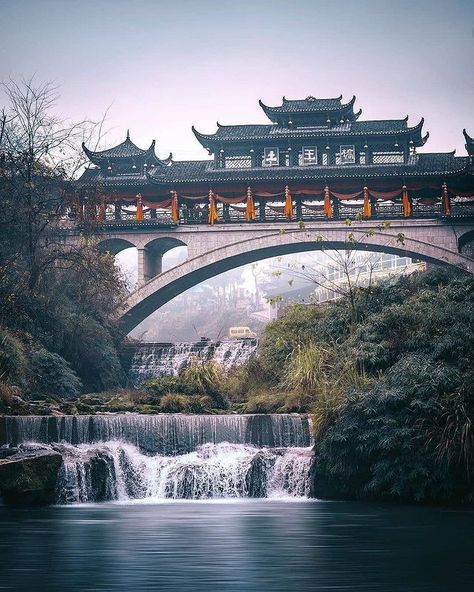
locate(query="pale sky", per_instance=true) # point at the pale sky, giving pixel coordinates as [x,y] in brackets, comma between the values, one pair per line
[162,66]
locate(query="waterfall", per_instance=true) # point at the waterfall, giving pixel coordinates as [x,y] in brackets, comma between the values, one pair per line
[129,457]
[151,360]
[167,434]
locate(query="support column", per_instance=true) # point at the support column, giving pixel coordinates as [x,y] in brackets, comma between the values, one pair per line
[155,264]
[150,264]
[299,209]
[143,273]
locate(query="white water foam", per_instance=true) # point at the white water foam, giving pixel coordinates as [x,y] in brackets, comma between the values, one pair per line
[117,470]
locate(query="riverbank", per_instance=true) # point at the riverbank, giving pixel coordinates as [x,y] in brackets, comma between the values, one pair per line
[387,375]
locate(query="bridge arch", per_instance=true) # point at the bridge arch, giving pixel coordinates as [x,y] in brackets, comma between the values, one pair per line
[164,287]
[162,245]
[466,243]
[114,245]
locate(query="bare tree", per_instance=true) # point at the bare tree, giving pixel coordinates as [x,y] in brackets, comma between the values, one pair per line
[345,271]
[40,156]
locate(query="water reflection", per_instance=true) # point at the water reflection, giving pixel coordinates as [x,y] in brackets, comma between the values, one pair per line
[246,545]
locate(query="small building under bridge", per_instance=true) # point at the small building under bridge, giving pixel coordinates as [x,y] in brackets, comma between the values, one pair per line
[316,173]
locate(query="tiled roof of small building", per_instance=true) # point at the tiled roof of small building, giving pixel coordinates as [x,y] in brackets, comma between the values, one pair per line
[127,150]
[95,176]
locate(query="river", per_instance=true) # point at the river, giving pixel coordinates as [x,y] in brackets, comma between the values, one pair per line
[179,503]
[236,546]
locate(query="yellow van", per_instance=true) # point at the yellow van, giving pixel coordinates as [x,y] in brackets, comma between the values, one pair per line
[241,333]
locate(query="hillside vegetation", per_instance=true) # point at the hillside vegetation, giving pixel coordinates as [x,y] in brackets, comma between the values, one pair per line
[392,396]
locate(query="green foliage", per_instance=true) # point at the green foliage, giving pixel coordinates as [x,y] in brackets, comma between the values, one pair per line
[401,440]
[90,349]
[391,394]
[158,387]
[266,402]
[13,362]
[202,383]
[173,403]
[52,375]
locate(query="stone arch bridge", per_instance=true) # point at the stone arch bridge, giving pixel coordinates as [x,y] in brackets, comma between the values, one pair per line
[215,249]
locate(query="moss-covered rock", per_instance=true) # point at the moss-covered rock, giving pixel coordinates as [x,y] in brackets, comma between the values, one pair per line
[29,478]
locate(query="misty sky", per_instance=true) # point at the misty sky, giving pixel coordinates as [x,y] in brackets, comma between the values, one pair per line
[162,66]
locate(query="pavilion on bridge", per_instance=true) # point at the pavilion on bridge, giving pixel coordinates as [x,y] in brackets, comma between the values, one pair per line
[315,159]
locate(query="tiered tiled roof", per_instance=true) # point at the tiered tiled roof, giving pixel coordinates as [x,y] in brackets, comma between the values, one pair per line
[311,108]
[386,127]
[445,164]
[127,150]
[123,167]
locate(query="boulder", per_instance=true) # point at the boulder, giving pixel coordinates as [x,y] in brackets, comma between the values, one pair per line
[257,476]
[29,478]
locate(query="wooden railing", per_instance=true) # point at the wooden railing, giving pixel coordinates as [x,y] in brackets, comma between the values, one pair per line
[274,214]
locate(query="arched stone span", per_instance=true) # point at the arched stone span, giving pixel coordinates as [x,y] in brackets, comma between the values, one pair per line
[163,288]
[466,243]
[150,257]
[161,245]
[150,251]
[114,245]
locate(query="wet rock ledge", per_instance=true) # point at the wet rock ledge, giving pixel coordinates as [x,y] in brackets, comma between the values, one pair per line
[28,477]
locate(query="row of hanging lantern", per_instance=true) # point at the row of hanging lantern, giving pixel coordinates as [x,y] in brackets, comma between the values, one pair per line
[288,209]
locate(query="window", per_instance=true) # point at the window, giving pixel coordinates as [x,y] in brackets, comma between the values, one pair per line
[387,157]
[238,162]
[362,158]
[271,157]
[309,155]
[325,158]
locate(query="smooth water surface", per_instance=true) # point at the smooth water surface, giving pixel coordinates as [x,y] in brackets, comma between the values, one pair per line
[236,545]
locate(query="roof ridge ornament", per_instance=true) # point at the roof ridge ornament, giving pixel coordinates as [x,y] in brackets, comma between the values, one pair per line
[469,145]
[128,134]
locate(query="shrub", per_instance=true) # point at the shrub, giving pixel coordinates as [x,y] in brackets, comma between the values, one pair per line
[165,385]
[52,375]
[199,381]
[13,362]
[174,403]
[389,443]
[266,402]
[90,349]
[205,377]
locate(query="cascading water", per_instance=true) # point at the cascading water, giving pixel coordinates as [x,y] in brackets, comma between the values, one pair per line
[151,360]
[123,457]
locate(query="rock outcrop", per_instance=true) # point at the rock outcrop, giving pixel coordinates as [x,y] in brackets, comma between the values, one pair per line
[28,477]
